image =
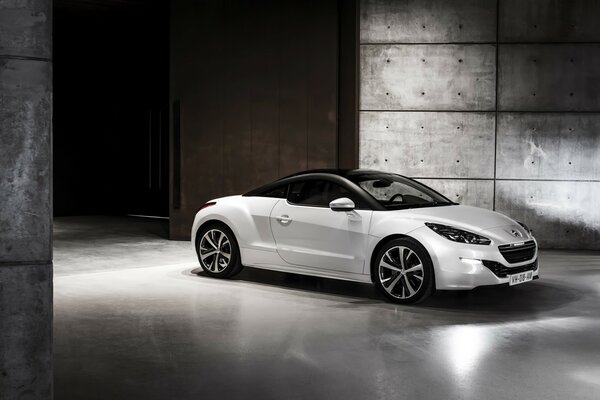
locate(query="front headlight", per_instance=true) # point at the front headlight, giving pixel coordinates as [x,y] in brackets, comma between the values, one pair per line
[458,235]
[525,227]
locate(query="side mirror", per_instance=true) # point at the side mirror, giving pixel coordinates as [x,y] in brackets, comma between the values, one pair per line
[342,204]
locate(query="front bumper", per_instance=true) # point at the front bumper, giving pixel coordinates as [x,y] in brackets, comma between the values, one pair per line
[462,266]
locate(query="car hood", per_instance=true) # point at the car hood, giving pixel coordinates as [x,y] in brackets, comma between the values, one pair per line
[470,218]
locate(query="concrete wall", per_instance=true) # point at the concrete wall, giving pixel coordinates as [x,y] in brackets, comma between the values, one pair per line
[493,103]
[257,96]
[25,201]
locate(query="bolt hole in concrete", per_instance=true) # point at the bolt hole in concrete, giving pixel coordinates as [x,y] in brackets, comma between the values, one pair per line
[150,327]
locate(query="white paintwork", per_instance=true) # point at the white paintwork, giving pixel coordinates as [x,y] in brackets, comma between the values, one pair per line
[342,204]
[318,237]
[273,234]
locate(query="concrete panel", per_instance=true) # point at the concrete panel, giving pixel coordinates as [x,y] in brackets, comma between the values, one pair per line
[562,215]
[25,332]
[25,28]
[428,144]
[427,21]
[25,122]
[549,21]
[426,77]
[549,77]
[548,146]
[477,193]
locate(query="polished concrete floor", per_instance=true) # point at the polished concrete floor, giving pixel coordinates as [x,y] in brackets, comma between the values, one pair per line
[134,321]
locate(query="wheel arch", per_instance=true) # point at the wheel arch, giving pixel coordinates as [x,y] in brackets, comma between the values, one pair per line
[382,243]
[212,221]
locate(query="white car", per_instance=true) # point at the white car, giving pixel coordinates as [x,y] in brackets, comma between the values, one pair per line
[364,226]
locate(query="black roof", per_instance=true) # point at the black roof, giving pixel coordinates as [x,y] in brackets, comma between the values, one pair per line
[342,176]
[335,171]
[339,175]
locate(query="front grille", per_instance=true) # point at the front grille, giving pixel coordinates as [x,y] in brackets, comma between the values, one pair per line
[502,271]
[514,254]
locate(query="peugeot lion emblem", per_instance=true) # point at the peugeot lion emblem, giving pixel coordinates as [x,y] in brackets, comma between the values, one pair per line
[515,233]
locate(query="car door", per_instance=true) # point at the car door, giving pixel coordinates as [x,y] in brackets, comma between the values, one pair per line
[308,233]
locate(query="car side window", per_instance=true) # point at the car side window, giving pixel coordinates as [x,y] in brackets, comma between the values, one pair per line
[317,193]
[308,193]
[278,192]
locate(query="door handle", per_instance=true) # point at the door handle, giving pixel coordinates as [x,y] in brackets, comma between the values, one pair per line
[284,219]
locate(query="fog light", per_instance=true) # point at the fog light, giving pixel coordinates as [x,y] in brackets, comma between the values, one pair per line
[473,265]
[472,261]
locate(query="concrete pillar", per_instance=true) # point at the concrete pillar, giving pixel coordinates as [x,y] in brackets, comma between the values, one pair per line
[25,200]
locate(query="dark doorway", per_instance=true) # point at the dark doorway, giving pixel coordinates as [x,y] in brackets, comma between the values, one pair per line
[111,107]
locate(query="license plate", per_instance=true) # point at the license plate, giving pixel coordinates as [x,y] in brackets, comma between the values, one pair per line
[520,278]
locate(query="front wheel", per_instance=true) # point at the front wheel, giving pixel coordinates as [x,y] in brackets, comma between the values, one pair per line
[403,271]
[218,251]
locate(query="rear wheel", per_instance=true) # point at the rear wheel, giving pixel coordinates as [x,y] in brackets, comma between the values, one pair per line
[403,271]
[218,251]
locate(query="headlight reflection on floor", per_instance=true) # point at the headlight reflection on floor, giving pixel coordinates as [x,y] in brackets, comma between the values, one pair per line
[465,345]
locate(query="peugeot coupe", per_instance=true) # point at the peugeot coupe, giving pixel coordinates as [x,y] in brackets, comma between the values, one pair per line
[365,226]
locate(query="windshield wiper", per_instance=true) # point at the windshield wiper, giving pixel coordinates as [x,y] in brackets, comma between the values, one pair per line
[444,203]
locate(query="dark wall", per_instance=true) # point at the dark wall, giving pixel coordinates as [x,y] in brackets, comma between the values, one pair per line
[111,107]
[255,92]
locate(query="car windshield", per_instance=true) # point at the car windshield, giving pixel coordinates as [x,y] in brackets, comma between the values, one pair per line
[397,192]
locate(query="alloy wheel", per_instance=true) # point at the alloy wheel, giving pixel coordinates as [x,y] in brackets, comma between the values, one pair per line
[215,250]
[401,272]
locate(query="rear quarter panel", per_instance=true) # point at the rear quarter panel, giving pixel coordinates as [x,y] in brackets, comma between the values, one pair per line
[247,217]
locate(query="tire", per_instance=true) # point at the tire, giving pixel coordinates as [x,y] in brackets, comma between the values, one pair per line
[390,274]
[213,242]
